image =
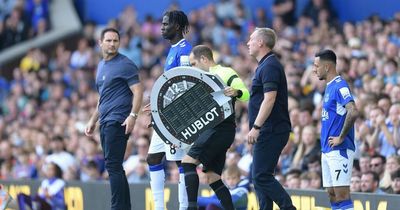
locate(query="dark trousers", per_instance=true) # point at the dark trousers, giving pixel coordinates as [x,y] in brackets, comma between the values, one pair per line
[265,158]
[113,141]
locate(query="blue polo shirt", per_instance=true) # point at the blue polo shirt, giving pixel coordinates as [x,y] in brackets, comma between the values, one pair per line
[270,76]
[113,80]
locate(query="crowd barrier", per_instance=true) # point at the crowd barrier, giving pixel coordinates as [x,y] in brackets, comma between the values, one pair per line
[96,196]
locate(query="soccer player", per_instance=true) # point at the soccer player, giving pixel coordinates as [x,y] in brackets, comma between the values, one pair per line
[175,25]
[339,113]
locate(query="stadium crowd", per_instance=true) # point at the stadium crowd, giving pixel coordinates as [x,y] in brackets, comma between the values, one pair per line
[45,107]
[21,20]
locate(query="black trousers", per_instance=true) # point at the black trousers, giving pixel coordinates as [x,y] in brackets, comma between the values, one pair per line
[265,158]
[113,141]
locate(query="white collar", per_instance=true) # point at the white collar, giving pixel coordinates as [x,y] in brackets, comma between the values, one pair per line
[178,43]
[333,80]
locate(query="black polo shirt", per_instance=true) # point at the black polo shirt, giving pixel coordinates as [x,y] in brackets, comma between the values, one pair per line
[270,76]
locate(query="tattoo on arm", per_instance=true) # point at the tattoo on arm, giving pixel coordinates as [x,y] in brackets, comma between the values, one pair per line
[352,114]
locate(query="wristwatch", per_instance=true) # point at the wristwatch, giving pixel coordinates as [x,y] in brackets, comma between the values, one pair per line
[256,127]
[133,114]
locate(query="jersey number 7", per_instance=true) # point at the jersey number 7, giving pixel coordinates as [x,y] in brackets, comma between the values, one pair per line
[338,173]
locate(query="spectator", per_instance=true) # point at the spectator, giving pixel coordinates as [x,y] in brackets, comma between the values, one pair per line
[370,183]
[15,30]
[314,164]
[23,168]
[260,18]
[377,165]
[286,10]
[309,147]
[365,163]
[362,133]
[315,180]
[305,181]
[384,103]
[141,173]
[392,165]
[91,171]
[355,183]
[80,57]
[381,137]
[134,162]
[293,179]
[51,192]
[286,159]
[59,156]
[37,10]
[6,155]
[395,94]
[395,184]
[91,157]
[314,8]
[238,188]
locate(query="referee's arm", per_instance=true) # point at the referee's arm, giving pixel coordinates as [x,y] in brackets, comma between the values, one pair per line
[237,87]
[242,91]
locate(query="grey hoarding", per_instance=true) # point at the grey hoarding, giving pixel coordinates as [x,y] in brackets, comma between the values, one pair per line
[96,196]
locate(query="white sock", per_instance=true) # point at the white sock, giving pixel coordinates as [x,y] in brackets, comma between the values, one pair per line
[157,179]
[183,199]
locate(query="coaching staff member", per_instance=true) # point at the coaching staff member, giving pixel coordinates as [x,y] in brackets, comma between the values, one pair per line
[121,93]
[269,119]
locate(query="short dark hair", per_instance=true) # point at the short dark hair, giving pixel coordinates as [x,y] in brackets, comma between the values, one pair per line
[395,174]
[326,55]
[58,138]
[104,31]
[383,158]
[375,176]
[180,18]
[295,172]
[202,50]
[314,159]
[393,62]
[58,171]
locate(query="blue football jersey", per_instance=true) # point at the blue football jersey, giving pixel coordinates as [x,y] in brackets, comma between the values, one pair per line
[178,51]
[337,95]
